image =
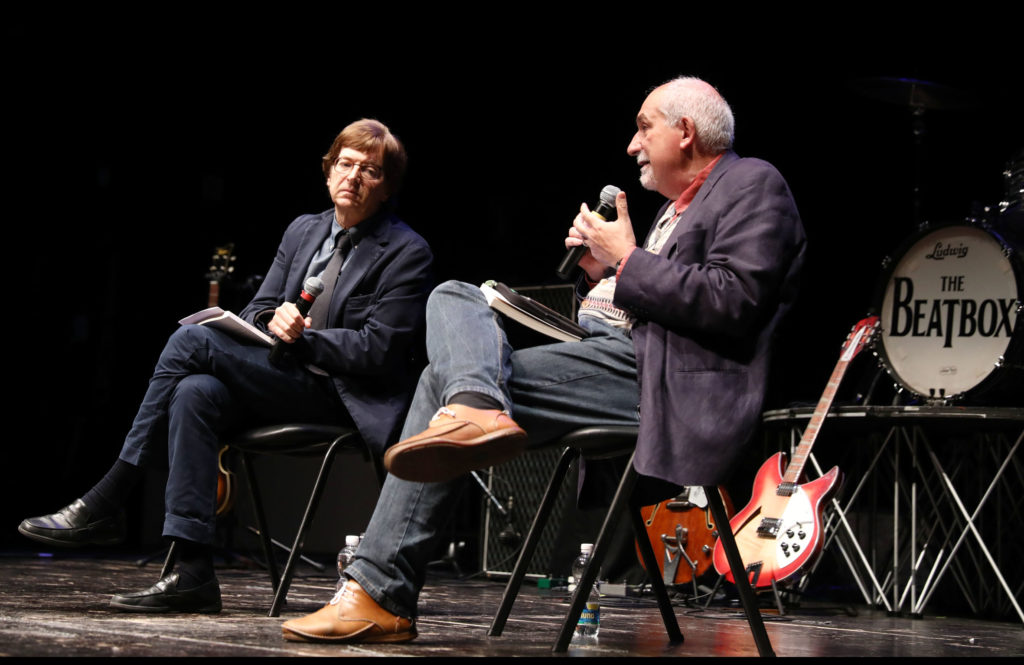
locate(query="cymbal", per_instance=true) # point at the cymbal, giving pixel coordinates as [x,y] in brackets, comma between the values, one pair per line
[914,93]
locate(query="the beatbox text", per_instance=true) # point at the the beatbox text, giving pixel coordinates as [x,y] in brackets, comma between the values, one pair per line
[948,317]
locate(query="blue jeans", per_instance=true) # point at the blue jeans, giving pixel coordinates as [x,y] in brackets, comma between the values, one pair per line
[549,390]
[205,384]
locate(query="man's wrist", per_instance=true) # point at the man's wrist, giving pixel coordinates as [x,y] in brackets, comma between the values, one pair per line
[621,263]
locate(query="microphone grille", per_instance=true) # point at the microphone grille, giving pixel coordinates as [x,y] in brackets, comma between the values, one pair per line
[609,193]
[314,286]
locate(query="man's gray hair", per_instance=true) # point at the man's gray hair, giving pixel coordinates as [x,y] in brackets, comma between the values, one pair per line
[691,97]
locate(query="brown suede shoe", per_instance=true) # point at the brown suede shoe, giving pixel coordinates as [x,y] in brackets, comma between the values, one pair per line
[351,616]
[459,439]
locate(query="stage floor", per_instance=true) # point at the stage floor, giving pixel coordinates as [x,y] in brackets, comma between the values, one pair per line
[58,606]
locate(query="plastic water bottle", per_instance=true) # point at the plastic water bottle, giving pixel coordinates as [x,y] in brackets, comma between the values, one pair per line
[590,619]
[347,555]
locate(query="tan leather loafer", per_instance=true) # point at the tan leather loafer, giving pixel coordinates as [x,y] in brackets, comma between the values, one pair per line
[459,439]
[351,616]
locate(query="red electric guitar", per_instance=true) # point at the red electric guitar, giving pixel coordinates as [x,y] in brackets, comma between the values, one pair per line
[779,531]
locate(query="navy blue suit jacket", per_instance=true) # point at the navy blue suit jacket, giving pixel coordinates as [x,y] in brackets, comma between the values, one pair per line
[707,308]
[371,344]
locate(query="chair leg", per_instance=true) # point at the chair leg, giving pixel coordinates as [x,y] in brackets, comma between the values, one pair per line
[590,573]
[261,521]
[378,468]
[172,557]
[314,500]
[668,615]
[739,574]
[540,520]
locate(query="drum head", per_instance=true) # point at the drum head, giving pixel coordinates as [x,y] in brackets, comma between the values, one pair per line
[950,312]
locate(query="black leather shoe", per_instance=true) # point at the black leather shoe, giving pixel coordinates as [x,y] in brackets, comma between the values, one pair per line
[165,597]
[74,526]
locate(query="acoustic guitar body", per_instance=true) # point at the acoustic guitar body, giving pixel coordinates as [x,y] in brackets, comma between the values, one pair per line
[682,531]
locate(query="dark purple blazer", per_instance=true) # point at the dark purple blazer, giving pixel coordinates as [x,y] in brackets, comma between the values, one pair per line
[375,320]
[707,307]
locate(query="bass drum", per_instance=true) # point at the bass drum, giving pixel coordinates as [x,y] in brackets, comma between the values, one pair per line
[950,311]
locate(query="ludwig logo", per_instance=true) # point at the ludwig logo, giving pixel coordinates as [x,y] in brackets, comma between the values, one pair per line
[948,250]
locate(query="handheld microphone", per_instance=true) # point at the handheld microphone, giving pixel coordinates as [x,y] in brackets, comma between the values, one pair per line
[605,209]
[310,290]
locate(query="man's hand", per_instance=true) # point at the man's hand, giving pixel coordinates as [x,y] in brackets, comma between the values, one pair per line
[608,241]
[287,324]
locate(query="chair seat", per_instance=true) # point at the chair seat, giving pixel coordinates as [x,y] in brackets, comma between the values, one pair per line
[599,442]
[292,439]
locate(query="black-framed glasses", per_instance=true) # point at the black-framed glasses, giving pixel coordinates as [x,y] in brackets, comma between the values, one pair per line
[367,171]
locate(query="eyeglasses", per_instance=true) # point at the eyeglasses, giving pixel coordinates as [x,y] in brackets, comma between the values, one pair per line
[367,172]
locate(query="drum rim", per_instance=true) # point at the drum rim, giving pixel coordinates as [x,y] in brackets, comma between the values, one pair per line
[1014,348]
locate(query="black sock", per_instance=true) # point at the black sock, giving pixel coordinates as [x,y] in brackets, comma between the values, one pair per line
[111,493]
[476,400]
[194,564]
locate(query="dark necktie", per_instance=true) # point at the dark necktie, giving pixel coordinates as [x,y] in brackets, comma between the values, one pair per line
[318,312]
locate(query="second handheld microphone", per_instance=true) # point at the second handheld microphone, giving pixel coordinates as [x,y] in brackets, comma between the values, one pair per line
[311,288]
[605,209]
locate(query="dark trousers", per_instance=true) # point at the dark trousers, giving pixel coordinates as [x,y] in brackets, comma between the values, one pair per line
[206,384]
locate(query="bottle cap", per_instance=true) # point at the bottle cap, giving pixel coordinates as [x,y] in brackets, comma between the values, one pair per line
[351,541]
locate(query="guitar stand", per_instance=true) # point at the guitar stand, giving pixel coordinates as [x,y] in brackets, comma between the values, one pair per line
[775,594]
[676,546]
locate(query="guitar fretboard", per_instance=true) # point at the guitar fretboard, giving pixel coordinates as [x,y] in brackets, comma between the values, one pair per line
[858,337]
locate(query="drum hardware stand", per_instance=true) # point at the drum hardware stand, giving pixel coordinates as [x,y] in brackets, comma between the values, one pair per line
[914,439]
[970,527]
[919,96]
[879,372]
[831,531]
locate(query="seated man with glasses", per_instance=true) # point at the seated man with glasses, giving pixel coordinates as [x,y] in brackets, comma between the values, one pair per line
[351,361]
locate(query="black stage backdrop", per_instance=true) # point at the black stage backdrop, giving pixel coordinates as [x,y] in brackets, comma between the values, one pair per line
[134,145]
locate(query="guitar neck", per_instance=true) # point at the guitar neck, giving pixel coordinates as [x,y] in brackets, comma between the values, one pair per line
[858,337]
[803,451]
[221,267]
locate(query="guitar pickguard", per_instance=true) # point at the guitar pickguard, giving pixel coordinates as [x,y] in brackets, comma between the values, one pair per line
[796,529]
